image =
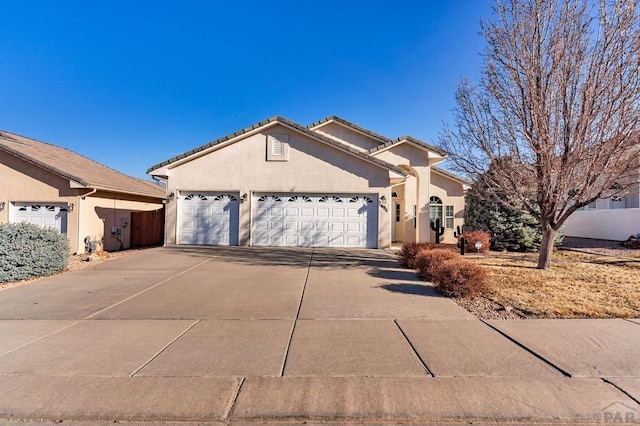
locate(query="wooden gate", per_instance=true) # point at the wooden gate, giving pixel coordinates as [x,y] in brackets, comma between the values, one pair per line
[147,228]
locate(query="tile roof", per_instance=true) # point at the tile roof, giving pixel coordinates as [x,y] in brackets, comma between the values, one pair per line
[451,175]
[73,166]
[291,124]
[407,138]
[344,122]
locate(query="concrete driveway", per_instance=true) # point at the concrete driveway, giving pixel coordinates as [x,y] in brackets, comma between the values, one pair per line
[244,334]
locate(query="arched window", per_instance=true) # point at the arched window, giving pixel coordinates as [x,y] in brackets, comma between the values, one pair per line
[435,209]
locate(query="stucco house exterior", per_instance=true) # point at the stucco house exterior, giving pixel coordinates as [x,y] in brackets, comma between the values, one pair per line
[332,183]
[52,186]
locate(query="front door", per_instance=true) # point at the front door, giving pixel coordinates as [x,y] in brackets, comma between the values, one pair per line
[397,229]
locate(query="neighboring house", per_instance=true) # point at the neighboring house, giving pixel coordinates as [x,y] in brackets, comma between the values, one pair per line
[51,186]
[332,183]
[614,218]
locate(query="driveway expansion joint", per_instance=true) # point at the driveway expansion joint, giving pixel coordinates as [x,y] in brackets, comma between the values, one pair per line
[295,320]
[609,382]
[531,351]
[415,352]
[136,371]
[233,401]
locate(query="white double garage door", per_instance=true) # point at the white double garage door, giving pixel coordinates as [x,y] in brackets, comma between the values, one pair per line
[293,220]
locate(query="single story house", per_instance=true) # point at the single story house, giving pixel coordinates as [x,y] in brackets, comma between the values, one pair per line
[52,186]
[332,183]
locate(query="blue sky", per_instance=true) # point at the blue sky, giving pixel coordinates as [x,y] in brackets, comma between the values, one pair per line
[130,84]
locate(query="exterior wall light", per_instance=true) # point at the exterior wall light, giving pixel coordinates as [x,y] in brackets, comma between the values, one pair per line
[1,205]
[70,207]
[243,197]
[383,202]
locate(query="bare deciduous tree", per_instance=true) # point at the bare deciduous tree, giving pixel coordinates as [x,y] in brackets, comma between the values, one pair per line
[556,114]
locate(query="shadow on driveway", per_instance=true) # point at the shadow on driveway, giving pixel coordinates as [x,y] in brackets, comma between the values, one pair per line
[413,289]
[293,256]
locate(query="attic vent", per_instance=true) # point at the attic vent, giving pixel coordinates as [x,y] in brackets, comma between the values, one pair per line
[277,147]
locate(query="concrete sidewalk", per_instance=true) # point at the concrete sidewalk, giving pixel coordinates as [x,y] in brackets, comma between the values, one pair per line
[244,335]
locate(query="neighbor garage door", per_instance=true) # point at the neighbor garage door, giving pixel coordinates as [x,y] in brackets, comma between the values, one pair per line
[208,219]
[312,220]
[45,215]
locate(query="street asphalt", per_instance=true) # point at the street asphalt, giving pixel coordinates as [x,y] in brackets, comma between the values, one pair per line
[193,335]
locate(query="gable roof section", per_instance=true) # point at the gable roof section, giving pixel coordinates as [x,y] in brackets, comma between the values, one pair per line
[410,139]
[80,170]
[287,123]
[352,126]
[450,175]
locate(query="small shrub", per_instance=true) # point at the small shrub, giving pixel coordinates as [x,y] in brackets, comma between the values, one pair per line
[428,260]
[460,278]
[477,236]
[409,251]
[29,251]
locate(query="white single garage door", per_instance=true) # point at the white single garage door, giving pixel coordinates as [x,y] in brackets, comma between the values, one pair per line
[315,220]
[208,219]
[45,215]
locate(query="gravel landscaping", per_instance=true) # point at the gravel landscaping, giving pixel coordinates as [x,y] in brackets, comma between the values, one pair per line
[76,262]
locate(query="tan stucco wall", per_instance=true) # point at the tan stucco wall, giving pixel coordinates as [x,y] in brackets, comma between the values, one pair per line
[451,193]
[312,167]
[101,211]
[348,136]
[23,182]
[417,188]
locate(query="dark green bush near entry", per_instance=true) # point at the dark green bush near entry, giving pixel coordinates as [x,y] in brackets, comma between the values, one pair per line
[29,251]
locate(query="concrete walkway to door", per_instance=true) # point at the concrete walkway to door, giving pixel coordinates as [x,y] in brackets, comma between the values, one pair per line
[224,335]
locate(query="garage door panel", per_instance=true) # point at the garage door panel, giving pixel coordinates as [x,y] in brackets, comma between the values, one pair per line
[209,219]
[44,215]
[345,221]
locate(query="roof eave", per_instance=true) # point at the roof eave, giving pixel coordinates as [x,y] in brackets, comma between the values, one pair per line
[348,125]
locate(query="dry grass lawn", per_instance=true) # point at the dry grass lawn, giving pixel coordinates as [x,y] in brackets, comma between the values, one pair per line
[578,285]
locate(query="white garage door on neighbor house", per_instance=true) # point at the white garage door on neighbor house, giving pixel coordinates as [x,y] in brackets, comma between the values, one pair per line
[45,215]
[315,220]
[208,219]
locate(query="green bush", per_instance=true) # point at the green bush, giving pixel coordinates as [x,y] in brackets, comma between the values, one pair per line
[460,278]
[29,251]
[428,260]
[409,252]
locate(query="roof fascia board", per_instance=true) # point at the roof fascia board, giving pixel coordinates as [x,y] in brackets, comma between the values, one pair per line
[413,144]
[352,128]
[451,176]
[125,192]
[215,147]
[164,169]
[341,147]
